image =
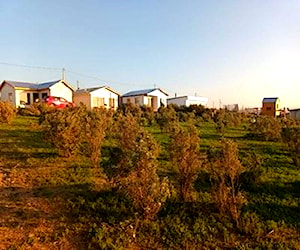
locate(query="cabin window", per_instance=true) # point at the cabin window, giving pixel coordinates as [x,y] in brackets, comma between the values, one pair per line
[128,100]
[44,95]
[111,102]
[98,101]
[268,108]
[136,101]
[10,97]
[36,97]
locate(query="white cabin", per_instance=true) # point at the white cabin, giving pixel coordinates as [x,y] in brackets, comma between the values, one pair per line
[154,98]
[188,100]
[97,97]
[19,93]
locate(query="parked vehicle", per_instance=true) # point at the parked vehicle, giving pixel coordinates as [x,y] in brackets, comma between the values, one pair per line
[58,102]
[22,105]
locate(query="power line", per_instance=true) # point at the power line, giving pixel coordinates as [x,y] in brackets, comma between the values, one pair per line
[72,72]
[29,66]
[103,80]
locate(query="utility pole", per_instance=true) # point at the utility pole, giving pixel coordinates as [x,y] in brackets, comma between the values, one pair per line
[63,73]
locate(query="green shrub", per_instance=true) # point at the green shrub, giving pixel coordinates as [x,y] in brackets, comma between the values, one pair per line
[185,158]
[117,236]
[129,109]
[32,110]
[265,127]
[7,112]
[250,178]
[147,116]
[226,169]
[124,131]
[143,185]
[96,122]
[147,191]
[36,109]
[136,167]
[291,137]
[63,128]
[166,118]
[220,121]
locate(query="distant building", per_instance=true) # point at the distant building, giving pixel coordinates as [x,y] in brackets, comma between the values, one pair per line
[188,100]
[231,107]
[97,97]
[252,111]
[295,113]
[154,98]
[271,106]
[20,93]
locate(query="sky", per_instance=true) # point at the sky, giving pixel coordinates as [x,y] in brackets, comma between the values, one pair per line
[231,51]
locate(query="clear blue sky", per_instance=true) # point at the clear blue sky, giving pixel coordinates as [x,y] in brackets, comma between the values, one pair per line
[234,51]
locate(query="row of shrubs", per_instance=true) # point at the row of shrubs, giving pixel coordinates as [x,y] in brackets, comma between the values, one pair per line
[142,215]
[260,127]
[130,170]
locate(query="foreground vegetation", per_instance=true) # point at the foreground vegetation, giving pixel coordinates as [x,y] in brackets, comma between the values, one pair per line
[179,179]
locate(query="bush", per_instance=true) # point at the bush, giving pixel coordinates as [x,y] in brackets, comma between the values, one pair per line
[129,109]
[124,131]
[185,158]
[265,127]
[137,167]
[220,121]
[185,117]
[166,118]
[36,109]
[148,116]
[226,169]
[7,112]
[251,176]
[147,191]
[63,129]
[291,137]
[96,122]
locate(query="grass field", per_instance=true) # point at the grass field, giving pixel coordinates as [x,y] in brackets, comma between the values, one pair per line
[49,202]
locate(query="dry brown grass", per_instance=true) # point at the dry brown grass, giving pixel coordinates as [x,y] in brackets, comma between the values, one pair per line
[30,220]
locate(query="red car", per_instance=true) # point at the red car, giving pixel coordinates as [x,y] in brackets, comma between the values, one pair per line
[58,102]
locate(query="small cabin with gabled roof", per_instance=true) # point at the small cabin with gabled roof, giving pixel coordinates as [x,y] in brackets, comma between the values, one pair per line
[19,93]
[271,106]
[154,98]
[97,97]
